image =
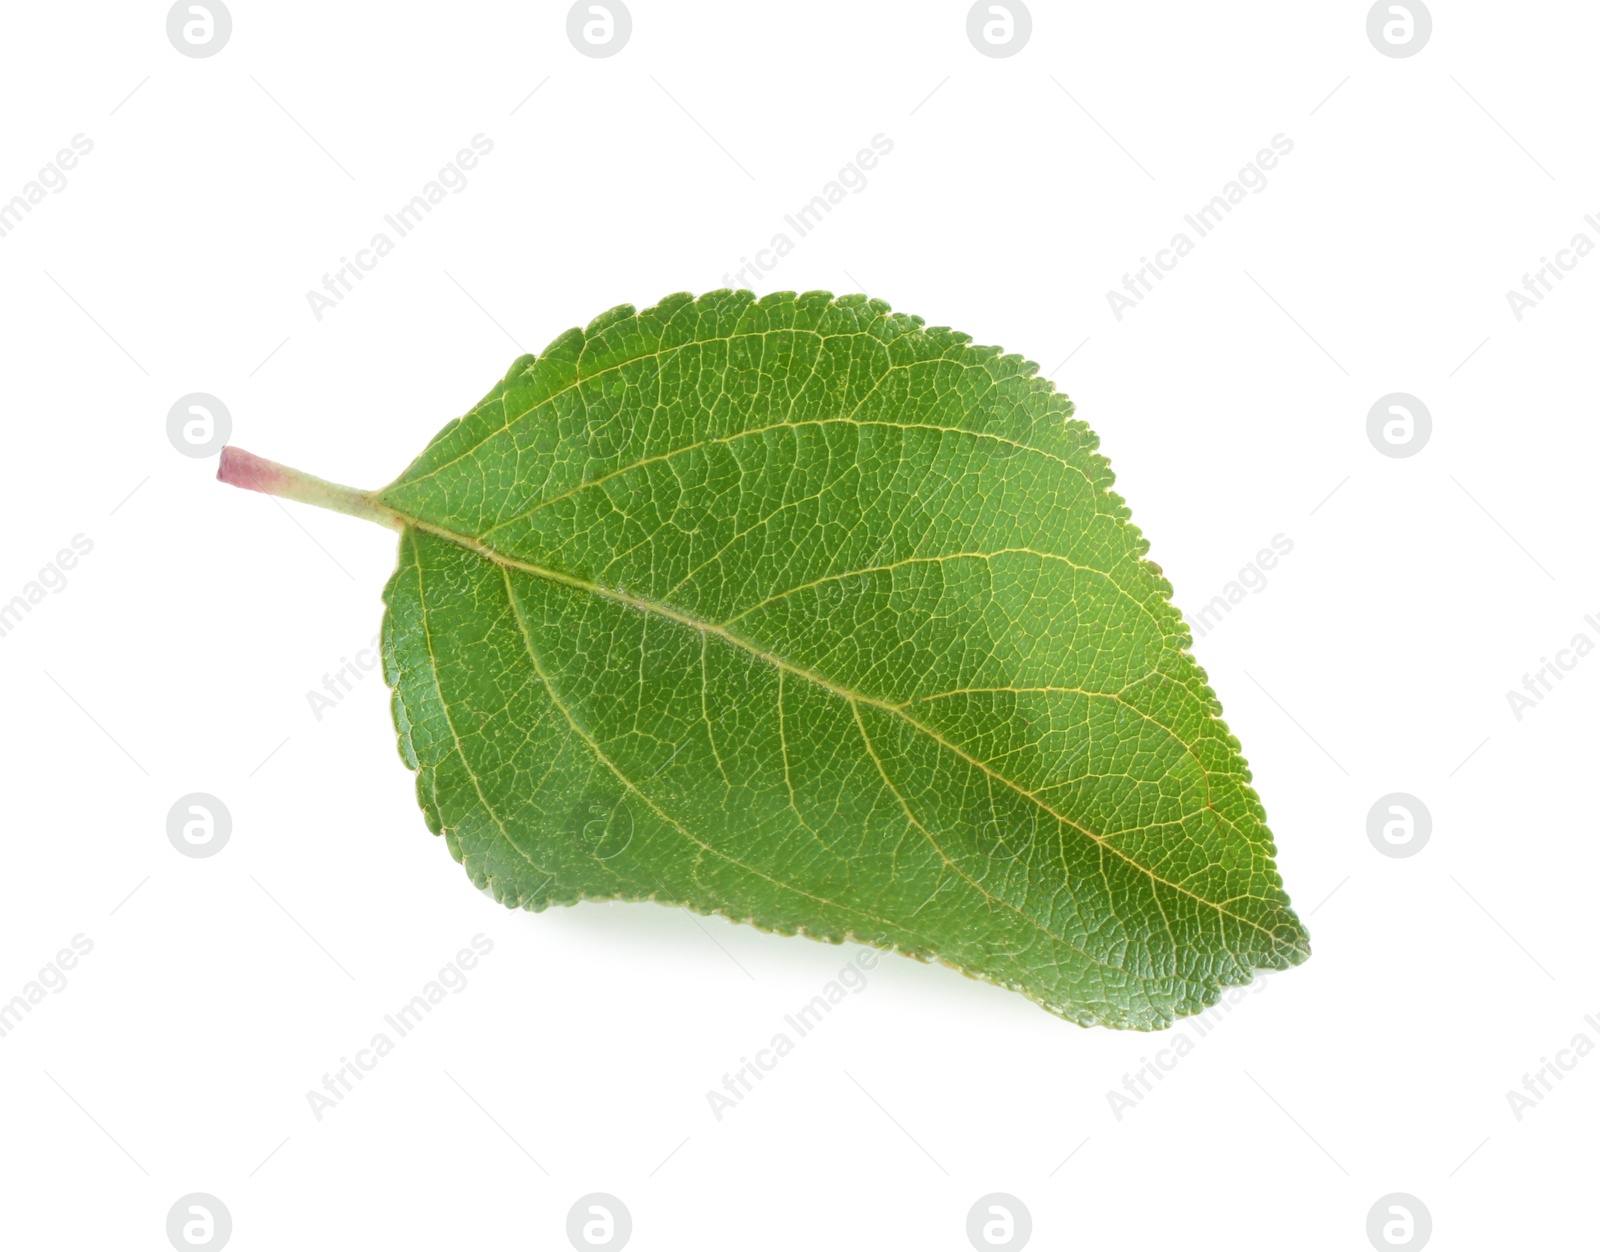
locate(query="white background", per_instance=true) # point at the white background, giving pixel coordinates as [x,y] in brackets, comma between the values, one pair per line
[1231,402]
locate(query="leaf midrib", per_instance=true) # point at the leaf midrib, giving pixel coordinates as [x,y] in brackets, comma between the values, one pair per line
[666,612]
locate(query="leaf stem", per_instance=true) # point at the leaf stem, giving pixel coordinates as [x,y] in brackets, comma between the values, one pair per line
[253,473]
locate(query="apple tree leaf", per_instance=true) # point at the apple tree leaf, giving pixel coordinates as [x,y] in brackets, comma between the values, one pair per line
[799,612]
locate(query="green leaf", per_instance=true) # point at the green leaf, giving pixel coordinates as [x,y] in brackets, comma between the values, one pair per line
[796,611]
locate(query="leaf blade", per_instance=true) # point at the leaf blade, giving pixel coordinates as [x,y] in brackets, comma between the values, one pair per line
[797,612]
